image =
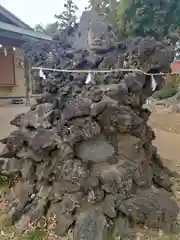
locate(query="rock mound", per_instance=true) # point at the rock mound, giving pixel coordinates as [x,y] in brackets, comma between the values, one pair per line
[84,154]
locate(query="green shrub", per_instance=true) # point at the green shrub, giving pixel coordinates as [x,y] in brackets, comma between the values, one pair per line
[167,91]
[4,181]
[37,234]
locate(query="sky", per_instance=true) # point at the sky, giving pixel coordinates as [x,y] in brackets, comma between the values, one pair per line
[33,12]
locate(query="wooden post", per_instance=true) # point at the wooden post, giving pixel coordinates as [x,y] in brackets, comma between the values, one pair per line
[27,72]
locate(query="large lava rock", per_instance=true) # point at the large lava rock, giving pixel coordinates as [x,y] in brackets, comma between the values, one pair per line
[84,151]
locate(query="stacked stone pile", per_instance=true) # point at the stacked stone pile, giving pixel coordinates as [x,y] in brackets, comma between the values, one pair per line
[84,154]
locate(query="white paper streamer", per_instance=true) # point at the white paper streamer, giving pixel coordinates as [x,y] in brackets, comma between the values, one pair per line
[89,78]
[153,83]
[41,74]
[5,52]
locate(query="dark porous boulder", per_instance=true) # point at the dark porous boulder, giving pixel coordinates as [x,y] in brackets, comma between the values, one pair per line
[34,118]
[152,207]
[90,225]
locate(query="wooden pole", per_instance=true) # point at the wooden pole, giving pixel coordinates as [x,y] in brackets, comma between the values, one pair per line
[27,72]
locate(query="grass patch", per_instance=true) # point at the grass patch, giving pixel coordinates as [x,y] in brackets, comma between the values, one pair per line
[11,233]
[5,221]
[4,182]
[8,231]
[37,234]
[170,89]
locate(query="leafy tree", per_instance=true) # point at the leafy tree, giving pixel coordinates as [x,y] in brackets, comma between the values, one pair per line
[98,5]
[39,28]
[65,19]
[68,16]
[50,29]
[157,18]
[103,6]
[107,8]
